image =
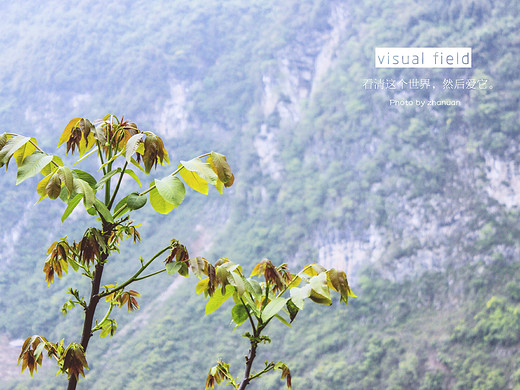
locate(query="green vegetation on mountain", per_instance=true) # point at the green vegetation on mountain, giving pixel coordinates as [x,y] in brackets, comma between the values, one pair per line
[418,205]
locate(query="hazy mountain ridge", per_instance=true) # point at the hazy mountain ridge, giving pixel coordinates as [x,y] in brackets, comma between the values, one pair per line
[426,198]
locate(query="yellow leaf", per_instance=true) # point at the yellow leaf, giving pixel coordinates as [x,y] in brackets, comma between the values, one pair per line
[194,181]
[314,269]
[158,203]
[41,187]
[219,186]
[202,286]
[68,129]
[26,150]
[86,144]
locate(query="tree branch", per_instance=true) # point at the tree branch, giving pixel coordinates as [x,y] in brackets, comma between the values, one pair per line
[90,312]
[249,363]
[249,316]
[149,275]
[135,276]
[254,340]
[109,206]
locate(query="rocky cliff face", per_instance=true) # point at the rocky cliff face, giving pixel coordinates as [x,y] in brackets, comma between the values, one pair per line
[423,228]
[326,171]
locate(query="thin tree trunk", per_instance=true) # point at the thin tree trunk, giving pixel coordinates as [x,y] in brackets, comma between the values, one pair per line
[89,314]
[249,363]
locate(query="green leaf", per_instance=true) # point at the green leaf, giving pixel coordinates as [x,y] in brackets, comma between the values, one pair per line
[282,320]
[197,174]
[273,308]
[251,304]
[201,168]
[83,187]
[239,314]
[254,288]
[10,147]
[105,331]
[197,265]
[135,201]
[292,309]
[71,206]
[171,189]
[136,164]
[85,176]
[237,281]
[85,156]
[133,176]
[102,181]
[220,165]
[73,264]
[32,165]
[132,145]
[184,270]
[65,195]
[103,211]
[109,329]
[66,177]
[158,203]
[219,186]
[217,299]
[58,160]
[299,294]
[320,292]
[173,267]
[3,140]
[99,135]
[38,351]
[314,269]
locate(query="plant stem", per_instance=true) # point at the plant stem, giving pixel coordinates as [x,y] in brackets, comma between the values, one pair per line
[135,276]
[98,327]
[249,363]
[259,374]
[249,316]
[107,190]
[100,151]
[254,340]
[109,206]
[89,312]
[149,275]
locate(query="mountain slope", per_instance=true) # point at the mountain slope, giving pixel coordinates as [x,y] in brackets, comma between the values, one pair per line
[418,204]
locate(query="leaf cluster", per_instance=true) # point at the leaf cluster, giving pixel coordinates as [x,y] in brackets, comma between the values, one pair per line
[260,302]
[70,360]
[113,141]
